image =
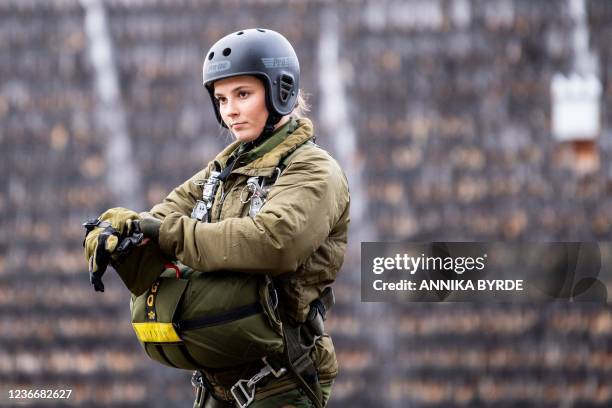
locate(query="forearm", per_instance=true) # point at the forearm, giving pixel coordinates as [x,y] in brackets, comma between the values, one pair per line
[240,244]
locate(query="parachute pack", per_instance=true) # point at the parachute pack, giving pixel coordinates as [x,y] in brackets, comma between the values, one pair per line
[188,319]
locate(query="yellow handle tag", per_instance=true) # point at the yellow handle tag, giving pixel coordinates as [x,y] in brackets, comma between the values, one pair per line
[155,332]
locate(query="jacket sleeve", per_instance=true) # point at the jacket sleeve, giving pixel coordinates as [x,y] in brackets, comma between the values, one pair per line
[301,210]
[182,199]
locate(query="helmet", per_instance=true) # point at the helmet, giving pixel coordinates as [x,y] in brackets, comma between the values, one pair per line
[263,53]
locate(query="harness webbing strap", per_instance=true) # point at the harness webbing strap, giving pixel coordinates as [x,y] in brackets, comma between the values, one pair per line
[300,364]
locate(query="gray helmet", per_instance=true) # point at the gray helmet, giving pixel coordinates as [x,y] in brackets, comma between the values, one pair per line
[263,53]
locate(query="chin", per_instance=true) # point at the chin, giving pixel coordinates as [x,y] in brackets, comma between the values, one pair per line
[245,137]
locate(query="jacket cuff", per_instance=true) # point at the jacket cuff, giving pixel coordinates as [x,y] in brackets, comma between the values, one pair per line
[150,227]
[167,238]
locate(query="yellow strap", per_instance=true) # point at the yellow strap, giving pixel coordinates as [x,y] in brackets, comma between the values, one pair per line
[154,332]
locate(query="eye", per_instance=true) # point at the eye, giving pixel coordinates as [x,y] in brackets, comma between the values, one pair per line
[243,94]
[221,100]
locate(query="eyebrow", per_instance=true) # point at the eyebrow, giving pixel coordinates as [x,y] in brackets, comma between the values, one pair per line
[238,88]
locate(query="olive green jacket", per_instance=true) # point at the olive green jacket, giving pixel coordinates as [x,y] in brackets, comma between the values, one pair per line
[298,237]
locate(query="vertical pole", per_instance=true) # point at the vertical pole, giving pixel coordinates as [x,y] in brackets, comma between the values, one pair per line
[123,176]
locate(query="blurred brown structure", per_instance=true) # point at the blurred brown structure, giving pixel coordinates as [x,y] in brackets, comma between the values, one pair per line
[450,102]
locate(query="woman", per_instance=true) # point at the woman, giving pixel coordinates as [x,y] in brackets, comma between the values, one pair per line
[271,203]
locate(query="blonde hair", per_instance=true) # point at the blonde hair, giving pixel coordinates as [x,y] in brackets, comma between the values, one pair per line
[302,107]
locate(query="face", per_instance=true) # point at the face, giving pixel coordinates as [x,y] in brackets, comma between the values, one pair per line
[242,104]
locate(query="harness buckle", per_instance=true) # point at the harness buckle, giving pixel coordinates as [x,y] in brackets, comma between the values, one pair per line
[244,390]
[243,393]
[198,384]
[276,373]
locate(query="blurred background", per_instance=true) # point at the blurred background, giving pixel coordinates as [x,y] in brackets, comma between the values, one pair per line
[453,119]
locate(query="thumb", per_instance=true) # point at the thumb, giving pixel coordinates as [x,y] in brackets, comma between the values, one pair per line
[92,264]
[111,244]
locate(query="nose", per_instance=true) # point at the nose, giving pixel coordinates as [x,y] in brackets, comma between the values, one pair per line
[231,108]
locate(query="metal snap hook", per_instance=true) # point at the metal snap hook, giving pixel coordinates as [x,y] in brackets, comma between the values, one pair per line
[248,190]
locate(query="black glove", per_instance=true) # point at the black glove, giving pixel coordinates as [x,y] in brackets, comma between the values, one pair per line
[100,241]
[104,244]
[150,227]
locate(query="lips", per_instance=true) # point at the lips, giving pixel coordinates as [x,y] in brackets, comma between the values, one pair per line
[238,124]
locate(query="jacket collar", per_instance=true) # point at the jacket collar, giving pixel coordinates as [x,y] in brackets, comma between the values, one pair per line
[296,133]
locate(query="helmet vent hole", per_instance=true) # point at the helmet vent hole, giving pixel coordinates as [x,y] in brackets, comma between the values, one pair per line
[227,52]
[261,31]
[240,33]
[285,87]
[211,55]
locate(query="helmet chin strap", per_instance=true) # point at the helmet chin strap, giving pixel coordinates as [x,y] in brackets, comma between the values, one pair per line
[267,131]
[271,121]
[269,126]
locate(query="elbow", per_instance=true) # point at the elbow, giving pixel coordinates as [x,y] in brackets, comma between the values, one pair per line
[280,257]
[287,265]
[281,260]
[283,243]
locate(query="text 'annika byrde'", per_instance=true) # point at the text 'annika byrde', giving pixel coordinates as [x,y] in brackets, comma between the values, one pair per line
[449,269]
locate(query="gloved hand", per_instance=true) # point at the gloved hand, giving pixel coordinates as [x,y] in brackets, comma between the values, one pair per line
[102,239]
[120,219]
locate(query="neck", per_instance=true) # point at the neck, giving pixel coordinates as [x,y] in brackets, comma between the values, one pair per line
[263,137]
[281,122]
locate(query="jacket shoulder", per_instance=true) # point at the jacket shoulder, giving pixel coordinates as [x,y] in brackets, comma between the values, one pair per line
[312,153]
[313,163]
